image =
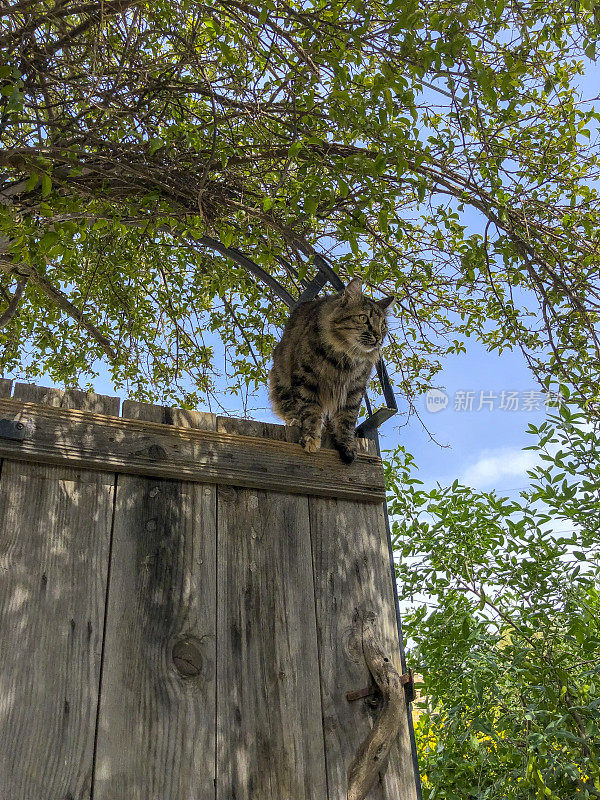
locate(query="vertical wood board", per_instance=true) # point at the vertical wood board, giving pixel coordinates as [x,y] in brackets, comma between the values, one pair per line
[54,543]
[269,731]
[352,576]
[156,734]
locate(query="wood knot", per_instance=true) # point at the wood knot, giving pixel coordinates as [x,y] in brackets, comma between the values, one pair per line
[187,657]
[154,452]
[157,452]
[227,493]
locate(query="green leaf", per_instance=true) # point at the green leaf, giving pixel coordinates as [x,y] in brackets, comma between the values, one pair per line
[48,239]
[343,187]
[590,50]
[32,182]
[310,204]
[294,149]
[380,163]
[409,125]
[46,185]
[465,628]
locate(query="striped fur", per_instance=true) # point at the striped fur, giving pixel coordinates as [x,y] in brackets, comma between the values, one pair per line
[323,362]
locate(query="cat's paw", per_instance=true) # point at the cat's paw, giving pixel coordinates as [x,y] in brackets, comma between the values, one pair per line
[310,443]
[347,454]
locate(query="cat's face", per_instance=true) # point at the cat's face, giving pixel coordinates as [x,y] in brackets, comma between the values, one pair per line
[359,323]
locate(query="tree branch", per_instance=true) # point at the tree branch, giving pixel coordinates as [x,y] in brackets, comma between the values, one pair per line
[59,299]
[13,305]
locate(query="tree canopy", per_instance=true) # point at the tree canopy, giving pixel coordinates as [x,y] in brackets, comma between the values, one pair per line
[444,151]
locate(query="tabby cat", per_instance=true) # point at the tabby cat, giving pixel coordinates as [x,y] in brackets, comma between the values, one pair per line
[323,362]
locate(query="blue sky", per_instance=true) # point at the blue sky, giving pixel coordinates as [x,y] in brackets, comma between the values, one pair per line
[477,440]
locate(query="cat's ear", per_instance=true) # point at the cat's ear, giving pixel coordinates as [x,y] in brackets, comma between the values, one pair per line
[387,303]
[353,291]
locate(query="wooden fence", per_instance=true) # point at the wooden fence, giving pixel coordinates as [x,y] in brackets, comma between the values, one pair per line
[178,605]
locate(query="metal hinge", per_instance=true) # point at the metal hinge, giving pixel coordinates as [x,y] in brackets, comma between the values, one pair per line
[12,429]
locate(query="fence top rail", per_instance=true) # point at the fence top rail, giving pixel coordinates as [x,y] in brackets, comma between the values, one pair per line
[176,444]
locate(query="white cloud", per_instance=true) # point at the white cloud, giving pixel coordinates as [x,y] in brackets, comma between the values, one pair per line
[494,467]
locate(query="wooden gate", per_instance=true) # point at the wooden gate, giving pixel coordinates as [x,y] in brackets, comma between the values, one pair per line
[178,605]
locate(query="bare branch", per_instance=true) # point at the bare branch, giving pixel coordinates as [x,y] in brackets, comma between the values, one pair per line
[13,305]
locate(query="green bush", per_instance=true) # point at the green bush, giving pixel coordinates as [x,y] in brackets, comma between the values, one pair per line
[503,622]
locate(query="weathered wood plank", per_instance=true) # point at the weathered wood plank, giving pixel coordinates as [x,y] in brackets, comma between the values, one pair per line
[156,733]
[283,433]
[352,574]
[67,399]
[269,731]
[135,446]
[253,427]
[164,415]
[5,387]
[54,544]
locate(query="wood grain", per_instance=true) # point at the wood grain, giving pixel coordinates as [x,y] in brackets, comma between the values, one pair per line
[352,575]
[156,734]
[262,430]
[69,399]
[269,731]
[228,608]
[165,415]
[135,446]
[5,387]
[54,544]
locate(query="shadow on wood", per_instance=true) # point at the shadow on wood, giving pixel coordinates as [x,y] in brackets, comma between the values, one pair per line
[169,637]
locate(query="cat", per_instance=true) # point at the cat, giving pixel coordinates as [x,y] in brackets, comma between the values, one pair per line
[323,362]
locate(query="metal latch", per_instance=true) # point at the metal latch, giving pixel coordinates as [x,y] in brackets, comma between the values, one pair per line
[409,687]
[12,429]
